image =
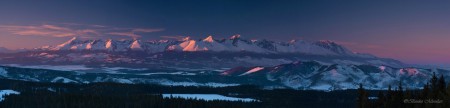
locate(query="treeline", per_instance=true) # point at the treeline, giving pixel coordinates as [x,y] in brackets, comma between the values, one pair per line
[113,95]
[45,99]
[435,94]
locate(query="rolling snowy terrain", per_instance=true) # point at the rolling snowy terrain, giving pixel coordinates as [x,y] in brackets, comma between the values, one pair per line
[308,75]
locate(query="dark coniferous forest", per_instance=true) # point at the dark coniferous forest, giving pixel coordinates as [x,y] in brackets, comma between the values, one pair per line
[435,94]
[114,95]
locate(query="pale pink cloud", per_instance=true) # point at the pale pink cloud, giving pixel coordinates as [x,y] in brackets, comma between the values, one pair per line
[54,27]
[42,30]
[133,32]
[130,34]
[31,32]
[64,35]
[74,29]
[89,31]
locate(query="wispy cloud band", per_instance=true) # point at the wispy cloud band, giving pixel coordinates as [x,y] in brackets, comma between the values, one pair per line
[73,29]
[134,32]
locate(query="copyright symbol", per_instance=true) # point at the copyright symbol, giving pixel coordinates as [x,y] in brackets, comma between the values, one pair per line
[405,101]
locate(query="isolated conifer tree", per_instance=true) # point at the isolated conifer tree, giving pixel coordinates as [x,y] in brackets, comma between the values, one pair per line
[399,96]
[363,101]
[434,81]
[426,91]
[389,96]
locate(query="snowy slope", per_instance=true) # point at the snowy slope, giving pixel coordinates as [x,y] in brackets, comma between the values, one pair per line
[3,72]
[7,92]
[314,75]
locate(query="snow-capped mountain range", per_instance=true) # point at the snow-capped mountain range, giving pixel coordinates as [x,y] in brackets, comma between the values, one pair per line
[233,44]
[190,53]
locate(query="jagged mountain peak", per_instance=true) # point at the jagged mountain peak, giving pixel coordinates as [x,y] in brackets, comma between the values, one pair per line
[108,44]
[187,38]
[235,37]
[295,40]
[66,44]
[209,39]
[73,39]
[136,45]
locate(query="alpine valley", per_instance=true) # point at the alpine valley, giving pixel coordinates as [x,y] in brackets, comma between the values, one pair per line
[297,64]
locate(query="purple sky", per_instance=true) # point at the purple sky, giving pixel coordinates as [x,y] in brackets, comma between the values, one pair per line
[410,31]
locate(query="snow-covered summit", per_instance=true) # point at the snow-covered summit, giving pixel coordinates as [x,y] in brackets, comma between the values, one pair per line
[136,45]
[209,39]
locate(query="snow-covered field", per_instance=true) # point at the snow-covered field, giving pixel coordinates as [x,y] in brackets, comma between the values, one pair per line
[210,84]
[7,92]
[207,97]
